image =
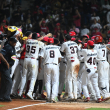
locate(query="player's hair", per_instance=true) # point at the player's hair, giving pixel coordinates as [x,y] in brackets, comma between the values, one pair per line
[91,47]
[28,33]
[34,35]
[56,41]
[68,37]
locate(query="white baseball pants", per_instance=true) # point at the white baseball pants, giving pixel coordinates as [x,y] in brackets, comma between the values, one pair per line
[31,65]
[51,77]
[93,77]
[71,77]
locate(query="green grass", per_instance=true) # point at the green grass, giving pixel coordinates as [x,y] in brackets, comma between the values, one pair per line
[1,105]
[98,109]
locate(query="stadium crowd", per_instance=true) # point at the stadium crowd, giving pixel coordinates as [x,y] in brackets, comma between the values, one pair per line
[82,19]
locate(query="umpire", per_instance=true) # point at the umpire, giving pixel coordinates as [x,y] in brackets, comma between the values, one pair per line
[7,56]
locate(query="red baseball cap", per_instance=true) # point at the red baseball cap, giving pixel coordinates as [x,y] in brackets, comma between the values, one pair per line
[51,40]
[85,46]
[38,35]
[93,38]
[73,39]
[72,33]
[90,43]
[58,24]
[86,36]
[45,39]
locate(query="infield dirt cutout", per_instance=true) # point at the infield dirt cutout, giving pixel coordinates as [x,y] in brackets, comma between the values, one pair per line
[27,104]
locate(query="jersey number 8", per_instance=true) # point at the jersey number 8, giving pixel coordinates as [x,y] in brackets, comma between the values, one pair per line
[52,54]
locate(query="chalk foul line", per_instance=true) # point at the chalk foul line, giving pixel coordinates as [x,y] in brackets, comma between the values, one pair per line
[26,106]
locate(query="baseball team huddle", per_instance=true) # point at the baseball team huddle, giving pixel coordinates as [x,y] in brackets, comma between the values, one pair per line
[81,65]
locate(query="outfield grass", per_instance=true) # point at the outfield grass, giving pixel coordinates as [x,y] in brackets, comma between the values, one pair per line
[98,109]
[1,105]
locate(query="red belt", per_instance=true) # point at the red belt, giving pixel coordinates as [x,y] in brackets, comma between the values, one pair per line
[72,60]
[31,57]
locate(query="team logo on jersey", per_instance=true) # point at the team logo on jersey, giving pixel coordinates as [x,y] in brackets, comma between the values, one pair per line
[13,57]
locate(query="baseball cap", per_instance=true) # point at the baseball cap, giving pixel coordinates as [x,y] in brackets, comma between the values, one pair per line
[13,39]
[58,24]
[86,36]
[90,43]
[85,46]
[38,35]
[93,38]
[45,39]
[51,40]
[72,33]
[73,39]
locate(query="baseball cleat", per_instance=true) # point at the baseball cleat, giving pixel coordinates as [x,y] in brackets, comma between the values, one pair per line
[69,99]
[87,99]
[30,96]
[99,100]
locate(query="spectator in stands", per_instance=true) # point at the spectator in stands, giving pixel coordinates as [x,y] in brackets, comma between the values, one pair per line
[57,28]
[87,11]
[96,32]
[43,26]
[106,6]
[95,25]
[6,9]
[55,17]
[17,16]
[76,30]
[3,24]
[95,17]
[85,30]
[108,16]
[77,19]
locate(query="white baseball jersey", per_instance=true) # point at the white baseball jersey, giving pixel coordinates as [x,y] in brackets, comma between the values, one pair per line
[89,57]
[101,51]
[50,53]
[70,48]
[32,48]
[17,48]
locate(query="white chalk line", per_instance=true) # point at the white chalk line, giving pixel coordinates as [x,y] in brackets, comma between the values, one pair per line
[26,106]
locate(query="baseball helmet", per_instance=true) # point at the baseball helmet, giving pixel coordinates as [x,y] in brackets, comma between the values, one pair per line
[93,38]
[90,43]
[72,33]
[98,39]
[86,36]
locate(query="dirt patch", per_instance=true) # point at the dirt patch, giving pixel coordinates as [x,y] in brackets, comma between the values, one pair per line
[80,105]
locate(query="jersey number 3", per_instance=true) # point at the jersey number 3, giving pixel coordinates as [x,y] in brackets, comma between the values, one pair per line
[33,48]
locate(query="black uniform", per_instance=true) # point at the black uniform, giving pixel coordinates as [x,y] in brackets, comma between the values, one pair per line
[6,82]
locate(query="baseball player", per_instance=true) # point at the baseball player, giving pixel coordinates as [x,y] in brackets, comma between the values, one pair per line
[70,48]
[31,64]
[17,48]
[52,56]
[90,72]
[103,67]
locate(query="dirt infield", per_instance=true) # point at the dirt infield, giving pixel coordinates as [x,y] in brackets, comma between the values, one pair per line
[27,104]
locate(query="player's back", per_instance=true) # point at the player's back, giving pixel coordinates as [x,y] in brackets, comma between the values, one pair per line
[101,51]
[70,49]
[32,48]
[51,54]
[90,58]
